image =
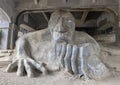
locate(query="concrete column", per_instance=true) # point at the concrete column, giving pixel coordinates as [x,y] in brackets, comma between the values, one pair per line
[117,33]
[117,26]
[13,32]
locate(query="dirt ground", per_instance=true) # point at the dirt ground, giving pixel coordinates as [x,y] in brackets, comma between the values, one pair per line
[110,55]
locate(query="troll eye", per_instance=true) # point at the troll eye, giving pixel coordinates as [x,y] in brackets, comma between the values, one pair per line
[69,20]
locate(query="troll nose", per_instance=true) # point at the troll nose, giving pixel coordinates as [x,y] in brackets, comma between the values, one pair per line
[61,27]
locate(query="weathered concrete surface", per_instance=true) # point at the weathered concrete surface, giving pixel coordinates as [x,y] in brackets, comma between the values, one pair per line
[62,78]
[66,3]
[8,15]
[4,38]
[59,46]
[9,7]
[111,56]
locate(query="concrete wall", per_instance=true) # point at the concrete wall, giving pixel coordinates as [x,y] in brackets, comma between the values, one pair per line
[9,12]
[9,7]
[119,13]
[4,35]
[28,4]
[4,39]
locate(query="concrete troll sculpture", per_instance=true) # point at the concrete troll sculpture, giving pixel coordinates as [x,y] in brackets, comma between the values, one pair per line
[58,47]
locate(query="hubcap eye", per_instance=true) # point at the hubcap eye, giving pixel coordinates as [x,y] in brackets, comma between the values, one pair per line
[69,21]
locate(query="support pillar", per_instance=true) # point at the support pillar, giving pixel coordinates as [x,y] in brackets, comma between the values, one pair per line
[13,32]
